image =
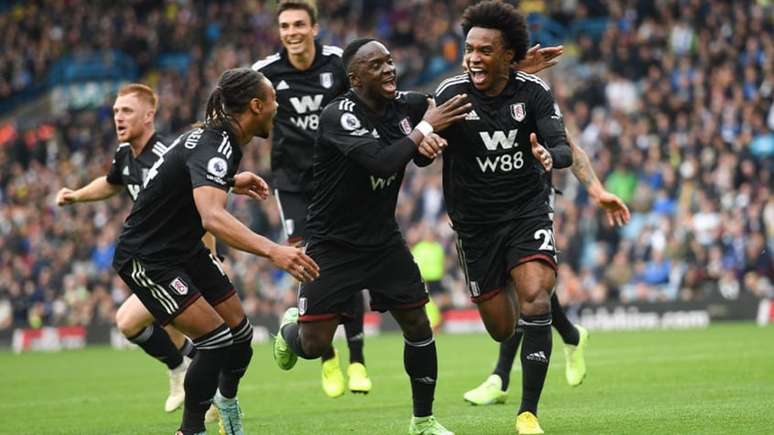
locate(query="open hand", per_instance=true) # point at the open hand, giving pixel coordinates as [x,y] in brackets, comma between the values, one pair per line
[617,212]
[247,183]
[537,59]
[541,153]
[295,262]
[447,113]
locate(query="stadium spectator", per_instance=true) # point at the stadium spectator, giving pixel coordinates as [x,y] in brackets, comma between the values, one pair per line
[686,139]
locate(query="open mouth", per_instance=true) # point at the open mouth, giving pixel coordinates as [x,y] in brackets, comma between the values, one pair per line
[390,85]
[121,130]
[295,43]
[478,75]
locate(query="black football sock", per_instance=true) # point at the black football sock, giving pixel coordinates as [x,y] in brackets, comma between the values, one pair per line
[535,356]
[563,326]
[155,341]
[201,379]
[354,330]
[290,334]
[328,354]
[239,355]
[188,349]
[508,349]
[421,363]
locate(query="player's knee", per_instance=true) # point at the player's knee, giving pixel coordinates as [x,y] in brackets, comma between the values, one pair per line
[417,328]
[314,347]
[535,300]
[126,323]
[500,332]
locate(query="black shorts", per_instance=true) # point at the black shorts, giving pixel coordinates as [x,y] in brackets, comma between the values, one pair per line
[390,275]
[487,255]
[292,208]
[166,291]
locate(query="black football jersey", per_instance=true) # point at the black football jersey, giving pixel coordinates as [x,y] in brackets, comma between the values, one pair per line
[129,171]
[349,204]
[164,226]
[301,96]
[489,173]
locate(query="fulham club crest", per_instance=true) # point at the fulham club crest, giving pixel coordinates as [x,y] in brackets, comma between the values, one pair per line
[405,126]
[518,112]
[179,286]
[326,80]
[302,306]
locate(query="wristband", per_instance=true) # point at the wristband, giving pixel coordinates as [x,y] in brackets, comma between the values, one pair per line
[425,128]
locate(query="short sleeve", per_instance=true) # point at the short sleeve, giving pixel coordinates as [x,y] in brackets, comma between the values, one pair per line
[344,129]
[114,174]
[211,163]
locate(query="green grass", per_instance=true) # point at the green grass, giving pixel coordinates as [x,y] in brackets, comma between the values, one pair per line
[717,380]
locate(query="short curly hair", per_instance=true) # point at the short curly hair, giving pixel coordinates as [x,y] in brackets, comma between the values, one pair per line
[494,14]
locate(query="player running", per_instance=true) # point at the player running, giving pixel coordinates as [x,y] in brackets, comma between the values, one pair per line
[133,113]
[495,388]
[366,138]
[307,76]
[495,189]
[575,338]
[162,259]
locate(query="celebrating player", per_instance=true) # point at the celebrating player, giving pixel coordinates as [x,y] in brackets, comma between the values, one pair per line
[366,138]
[133,113]
[495,189]
[161,257]
[307,76]
[495,388]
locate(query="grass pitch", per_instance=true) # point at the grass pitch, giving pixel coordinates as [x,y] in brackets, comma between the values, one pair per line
[715,380]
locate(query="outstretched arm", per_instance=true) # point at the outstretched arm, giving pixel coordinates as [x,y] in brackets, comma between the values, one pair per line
[97,190]
[617,212]
[211,204]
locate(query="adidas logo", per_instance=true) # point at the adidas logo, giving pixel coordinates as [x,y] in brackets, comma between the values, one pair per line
[538,356]
[282,85]
[472,116]
[426,380]
[126,171]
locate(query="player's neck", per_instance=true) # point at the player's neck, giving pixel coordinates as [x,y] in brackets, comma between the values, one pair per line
[242,129]
[138,143]
[375,104]
[498,86]
[304,60]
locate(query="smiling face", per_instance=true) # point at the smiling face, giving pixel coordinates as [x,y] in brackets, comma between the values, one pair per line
[297,31]
[133,117]
[374,71]
[487,59]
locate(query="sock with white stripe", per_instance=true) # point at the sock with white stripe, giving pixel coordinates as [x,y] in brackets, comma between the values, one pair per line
[239,355]
[188,349]
[155,341]
[535,356]
[201,380]
[354,331]
[508,349]
[421,363]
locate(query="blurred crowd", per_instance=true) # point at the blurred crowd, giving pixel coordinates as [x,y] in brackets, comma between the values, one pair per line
[673,102]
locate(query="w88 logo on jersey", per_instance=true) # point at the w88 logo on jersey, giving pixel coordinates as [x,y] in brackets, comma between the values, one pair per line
[494,141]
[501,163]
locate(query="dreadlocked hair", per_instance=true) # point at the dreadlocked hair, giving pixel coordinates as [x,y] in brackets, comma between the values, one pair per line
[236,87]
[494,14]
